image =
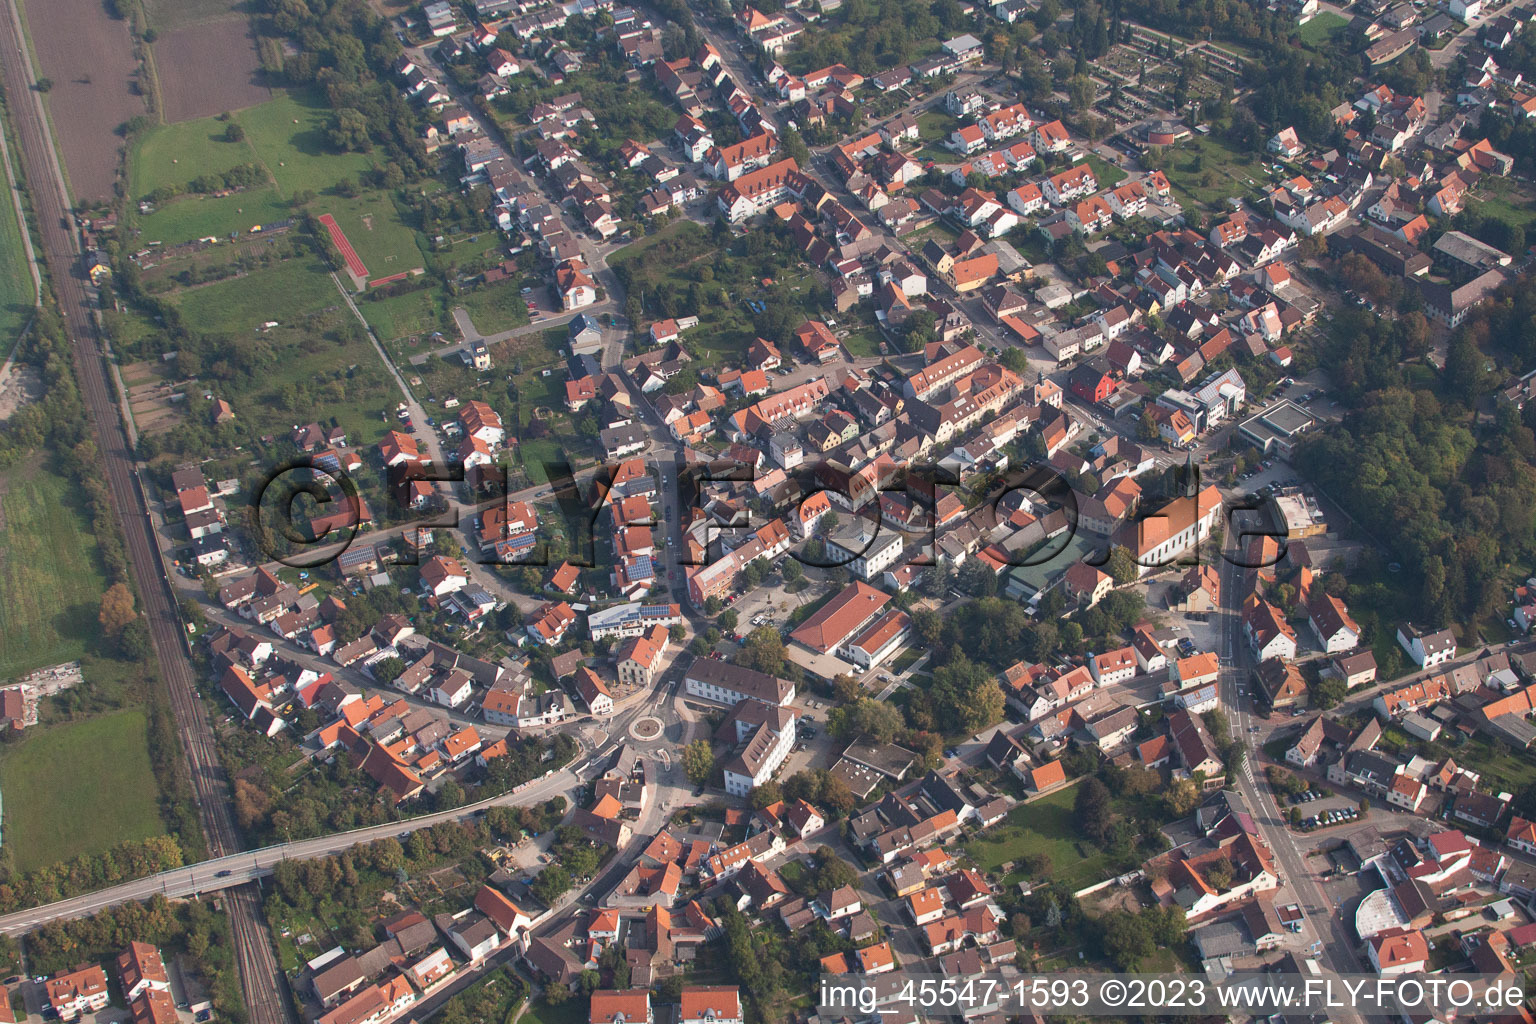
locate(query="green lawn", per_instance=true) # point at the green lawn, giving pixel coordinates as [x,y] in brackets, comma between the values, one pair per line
[192,217]
[935,125]
[1049,828]
[285,135]
[496,308]
[49,571]
[412,313]
[288,134]
[279,293]
[1320,31]
[572,1011]
[1108,174]
[17,297]
[78,788]
[174,154]
[1501,770]
[537,454]
[638,247]
[863,342]
[1210,171]
[1504,199]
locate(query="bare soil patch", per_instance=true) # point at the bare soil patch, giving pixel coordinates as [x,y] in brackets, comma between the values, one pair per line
[150,398]
[208,68]
[89,57]
[20,386]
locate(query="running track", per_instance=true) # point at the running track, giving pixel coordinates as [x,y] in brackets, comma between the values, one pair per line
[347,252]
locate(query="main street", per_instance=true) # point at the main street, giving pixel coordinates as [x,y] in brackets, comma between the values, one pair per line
[1322,922]
[261,981]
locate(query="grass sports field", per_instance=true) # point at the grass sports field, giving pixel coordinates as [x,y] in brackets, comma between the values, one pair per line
[373,226]
[49,571]
[242,304]
[78,788]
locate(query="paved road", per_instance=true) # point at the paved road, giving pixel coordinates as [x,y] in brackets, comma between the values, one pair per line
[1321,919]
[594,253]
[235,870]
[260,979]
[471,333]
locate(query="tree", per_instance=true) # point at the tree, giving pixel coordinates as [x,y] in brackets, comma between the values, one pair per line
[116,609]
[1092,810]
[192,612]
[727,619]
[234,133]
[1126,938]
[712,605]
[45,85]
[135,642]
[792,570]
[350,131]
[1182,797]
[977,578]
[678,632]
[832,872]
[1121,565]
[765,795]
[1221,874]
[866,716]
[699,761]
[794,147]
[763,650]
[551,884]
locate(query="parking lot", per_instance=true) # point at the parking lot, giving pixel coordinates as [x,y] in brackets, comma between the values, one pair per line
[1321,813]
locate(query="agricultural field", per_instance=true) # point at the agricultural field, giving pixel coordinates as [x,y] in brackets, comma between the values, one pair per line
[89,56]
[166,15]
[78,788]
[209,67]
[149,386]
[49,571]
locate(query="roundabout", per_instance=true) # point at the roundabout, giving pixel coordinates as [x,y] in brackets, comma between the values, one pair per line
[646,729]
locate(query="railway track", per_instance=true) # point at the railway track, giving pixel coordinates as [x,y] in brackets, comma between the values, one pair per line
[261,980]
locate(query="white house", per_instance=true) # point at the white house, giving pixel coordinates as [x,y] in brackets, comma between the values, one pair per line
[453,689]
[769,733]
[1426,649]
